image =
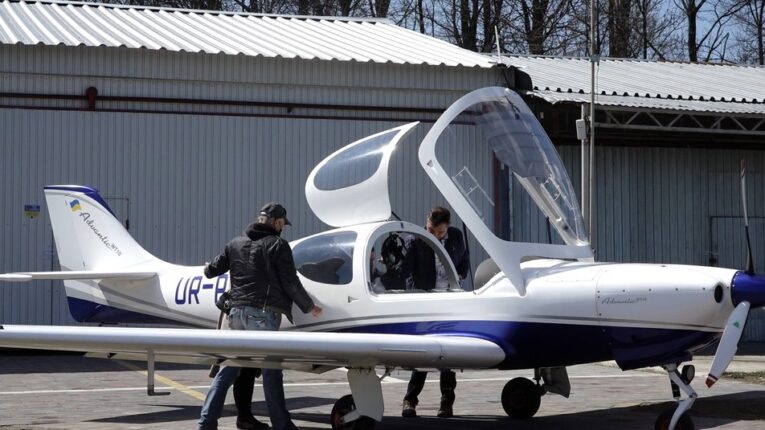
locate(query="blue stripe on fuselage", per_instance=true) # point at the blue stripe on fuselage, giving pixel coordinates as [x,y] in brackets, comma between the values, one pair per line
[530,344]
[87,311]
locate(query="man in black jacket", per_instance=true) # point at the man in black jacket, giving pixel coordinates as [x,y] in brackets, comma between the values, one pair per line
[428,273]
[264,285]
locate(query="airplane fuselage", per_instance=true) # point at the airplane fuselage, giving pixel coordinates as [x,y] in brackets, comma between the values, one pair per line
[571,312]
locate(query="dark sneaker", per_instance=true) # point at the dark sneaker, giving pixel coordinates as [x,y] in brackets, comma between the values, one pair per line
[250,423]
[445,411]
[408,410]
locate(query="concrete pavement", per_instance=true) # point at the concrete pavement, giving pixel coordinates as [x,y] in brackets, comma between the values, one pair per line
[72,392]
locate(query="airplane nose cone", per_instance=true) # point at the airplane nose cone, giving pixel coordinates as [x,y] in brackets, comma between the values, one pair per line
[746,287]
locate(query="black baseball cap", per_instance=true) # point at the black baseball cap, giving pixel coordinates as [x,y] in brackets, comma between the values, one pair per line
[275,211]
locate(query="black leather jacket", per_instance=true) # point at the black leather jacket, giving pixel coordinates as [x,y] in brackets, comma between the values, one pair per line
[262,270]
[421,259]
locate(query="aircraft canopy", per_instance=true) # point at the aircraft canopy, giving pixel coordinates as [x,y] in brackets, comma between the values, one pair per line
[350,186]
[490,135]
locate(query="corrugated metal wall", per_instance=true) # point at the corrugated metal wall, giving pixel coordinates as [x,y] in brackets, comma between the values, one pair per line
[660,204]
[664,205]
[191,183]
[188,182]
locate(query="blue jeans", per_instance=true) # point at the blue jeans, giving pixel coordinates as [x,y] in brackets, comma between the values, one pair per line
[247,318]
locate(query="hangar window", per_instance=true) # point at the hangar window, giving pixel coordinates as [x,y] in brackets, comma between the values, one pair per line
[327,258]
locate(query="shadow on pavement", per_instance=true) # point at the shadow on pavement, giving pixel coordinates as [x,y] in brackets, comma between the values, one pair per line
[707,413]
[185,413]
[746,406]
[74,363]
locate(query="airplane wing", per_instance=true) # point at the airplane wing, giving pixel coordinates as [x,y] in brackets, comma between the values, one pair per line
[82,274]
[309,351]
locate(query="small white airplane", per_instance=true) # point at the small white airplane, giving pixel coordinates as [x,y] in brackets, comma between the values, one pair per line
[533,306]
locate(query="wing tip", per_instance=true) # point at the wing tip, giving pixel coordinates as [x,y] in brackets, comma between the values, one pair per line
[15,277]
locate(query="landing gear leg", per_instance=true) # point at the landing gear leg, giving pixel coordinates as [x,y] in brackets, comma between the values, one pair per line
[679,418]
[360,410]
[150,375]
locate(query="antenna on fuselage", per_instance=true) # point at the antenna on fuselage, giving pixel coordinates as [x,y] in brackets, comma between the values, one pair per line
[749,259]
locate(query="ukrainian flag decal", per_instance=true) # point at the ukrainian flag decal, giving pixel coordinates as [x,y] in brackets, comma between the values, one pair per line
[75,205]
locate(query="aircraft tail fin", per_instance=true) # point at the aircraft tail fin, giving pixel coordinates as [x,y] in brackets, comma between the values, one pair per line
[88,235]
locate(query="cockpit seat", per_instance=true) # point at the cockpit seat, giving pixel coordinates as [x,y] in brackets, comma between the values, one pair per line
[484,272]
[324,271]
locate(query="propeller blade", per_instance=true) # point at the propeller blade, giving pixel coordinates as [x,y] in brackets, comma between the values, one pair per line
[734,328]
[743,192]
[749,258]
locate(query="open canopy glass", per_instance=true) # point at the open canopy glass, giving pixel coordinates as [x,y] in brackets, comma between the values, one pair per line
[492,132]
[502,128]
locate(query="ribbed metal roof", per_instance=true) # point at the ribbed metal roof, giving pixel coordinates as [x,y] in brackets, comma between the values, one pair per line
[655,103]
[320,38]
[648,84]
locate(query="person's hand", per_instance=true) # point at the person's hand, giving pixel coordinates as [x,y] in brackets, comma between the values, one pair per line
[316,310]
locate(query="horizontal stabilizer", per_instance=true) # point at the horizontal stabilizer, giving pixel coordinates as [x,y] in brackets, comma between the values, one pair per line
[82,274]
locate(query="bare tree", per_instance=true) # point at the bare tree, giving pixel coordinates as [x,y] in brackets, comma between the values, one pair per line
[421,16]
[619,28]
[467,32]
[180,4]
[657,38]
[266,6]
[492,16]
[750,38]
[415,15]
[379,8]
[576,38]
[712,44]
[543,25]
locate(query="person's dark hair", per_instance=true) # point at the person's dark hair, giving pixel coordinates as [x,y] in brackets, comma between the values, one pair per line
[439,215]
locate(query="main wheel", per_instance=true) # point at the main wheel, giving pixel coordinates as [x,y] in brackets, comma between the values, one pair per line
[342,407]
[521,398]
[664,418]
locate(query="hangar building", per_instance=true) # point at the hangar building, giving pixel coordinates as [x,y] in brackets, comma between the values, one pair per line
[187,121]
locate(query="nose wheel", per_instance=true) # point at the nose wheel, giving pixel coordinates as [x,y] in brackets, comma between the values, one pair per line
[345,409]
[521,398]
[678,419]
[665,418]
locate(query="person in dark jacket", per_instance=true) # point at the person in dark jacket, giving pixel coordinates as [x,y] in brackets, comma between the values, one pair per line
[428,273]
[264,285]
